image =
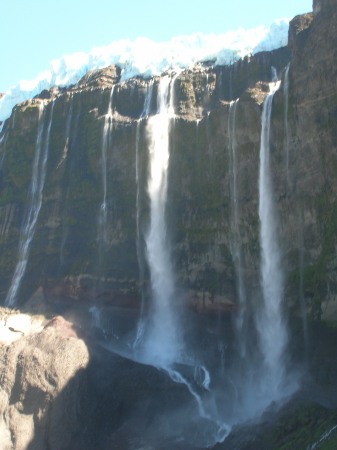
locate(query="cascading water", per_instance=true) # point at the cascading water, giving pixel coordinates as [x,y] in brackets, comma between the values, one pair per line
[222,429]
[286,121]
[3,140]
[140,251]
[270,323]
[64,156]
[103,211]
[236,248]
[163,342]
[163,345]
[34,202]
[6,218]
[301,284]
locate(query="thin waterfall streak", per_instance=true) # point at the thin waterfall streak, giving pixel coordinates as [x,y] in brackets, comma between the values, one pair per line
[230,82]
[9,211]
[286,122]
[236,248]
[171,99]
[271,326]
[178,378]
[3,142]
[323,438]
[103,212]
[301,288]
[70,167]
[65,155]
[34,202]
[219,83]
[148,101]
[223,428]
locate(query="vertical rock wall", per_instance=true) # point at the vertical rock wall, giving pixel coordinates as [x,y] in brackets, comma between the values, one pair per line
[64,252]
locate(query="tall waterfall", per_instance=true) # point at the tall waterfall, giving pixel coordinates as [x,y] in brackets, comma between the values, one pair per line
[162,340]
[34,203]
[140,251]
[236,246]
[271,326]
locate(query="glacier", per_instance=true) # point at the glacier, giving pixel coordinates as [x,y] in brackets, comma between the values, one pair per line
[145,57]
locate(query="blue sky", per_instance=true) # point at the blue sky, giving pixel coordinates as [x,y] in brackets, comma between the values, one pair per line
[33,32]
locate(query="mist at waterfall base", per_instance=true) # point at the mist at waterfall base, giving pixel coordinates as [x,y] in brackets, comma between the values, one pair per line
[238,371]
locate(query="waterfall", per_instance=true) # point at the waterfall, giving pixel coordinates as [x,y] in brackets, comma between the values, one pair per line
[3,141]
[162,341]
[271,325]
[140,252]
[286,121]
[301,284]
[34,203]
[236,248]
[7,214]
[222,429]
[64,156]
[323,438]
[103,211]
[230,87]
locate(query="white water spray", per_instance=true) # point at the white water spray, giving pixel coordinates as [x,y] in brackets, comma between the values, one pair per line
[163,341]
[271,325]
[34,203]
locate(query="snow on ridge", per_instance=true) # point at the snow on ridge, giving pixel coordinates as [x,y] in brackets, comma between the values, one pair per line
[145,57]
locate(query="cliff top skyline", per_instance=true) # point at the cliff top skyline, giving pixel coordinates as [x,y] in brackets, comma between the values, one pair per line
[34,34]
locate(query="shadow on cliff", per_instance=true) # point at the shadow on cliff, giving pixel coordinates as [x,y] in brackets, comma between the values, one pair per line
[115,403]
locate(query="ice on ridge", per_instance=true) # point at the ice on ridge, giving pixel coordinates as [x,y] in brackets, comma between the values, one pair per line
[143,56]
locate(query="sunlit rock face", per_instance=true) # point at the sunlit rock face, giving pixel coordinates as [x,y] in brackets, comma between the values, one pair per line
[40,365]
[60,390]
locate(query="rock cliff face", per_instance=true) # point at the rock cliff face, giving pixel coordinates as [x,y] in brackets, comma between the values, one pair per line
[59,392]
[29,410]
[74,217]
[66,254]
